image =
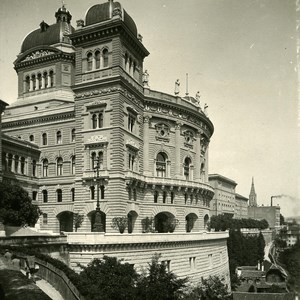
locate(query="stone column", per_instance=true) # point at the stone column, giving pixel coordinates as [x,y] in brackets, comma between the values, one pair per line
[43,82]
[146,145]
[177,151]
[197,164]
[31,84]
[206,163]
[37,83]
[49,81]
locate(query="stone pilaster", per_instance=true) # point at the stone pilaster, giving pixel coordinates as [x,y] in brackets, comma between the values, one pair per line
[197,170]
[177,151]
[146,145]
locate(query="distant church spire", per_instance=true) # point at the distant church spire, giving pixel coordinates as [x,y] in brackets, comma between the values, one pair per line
[252,196]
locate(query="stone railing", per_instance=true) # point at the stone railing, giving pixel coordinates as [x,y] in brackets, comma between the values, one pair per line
[139,238]
[33,240]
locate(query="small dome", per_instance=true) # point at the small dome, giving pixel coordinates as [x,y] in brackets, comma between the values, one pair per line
[101,12]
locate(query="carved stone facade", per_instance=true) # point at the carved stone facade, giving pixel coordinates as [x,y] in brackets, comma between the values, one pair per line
[150,149]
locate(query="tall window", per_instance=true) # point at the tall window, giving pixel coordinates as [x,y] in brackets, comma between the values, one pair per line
[59,195]
[73,194]
[44,139]
[102,190]
[131,122]
[51,78]
[33,82]
[92,189]
[155,196]
[45,219]
[97,59]
[39,77]
[97,161]
[161,164]
[89,61]
[105,58]
[97,120]
[10,159]
[23,165]
[34,168]
[58,137]
[27,84]
[100,120]
[31,138]
[131,160]
[73,135]
[187,164]
[16,163]
[45,196]
[45,167]
[34,194]
[164,197]
[45,75]
[59,166]
[134,195]
[172,197]
[73,165]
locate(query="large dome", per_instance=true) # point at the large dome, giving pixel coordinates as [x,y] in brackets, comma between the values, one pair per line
[103,12]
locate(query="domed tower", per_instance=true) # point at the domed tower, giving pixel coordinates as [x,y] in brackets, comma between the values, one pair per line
[45,63]
[108,101]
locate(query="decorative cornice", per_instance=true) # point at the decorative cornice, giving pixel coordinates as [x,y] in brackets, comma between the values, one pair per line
[96,139]
[37,54]
[132,144]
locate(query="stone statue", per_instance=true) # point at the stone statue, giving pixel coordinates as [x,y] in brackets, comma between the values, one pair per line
[146,79]
[198,98]
[205,108]
[177,87]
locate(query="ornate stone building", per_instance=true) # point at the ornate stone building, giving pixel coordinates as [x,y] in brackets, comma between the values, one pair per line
[98,131]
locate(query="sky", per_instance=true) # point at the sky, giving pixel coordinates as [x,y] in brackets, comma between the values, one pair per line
[240,55]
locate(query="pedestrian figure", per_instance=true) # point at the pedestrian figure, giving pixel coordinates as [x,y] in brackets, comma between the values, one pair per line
[30,267]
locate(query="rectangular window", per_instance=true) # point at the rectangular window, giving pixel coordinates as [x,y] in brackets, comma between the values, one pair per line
[34,194]
[45,219]
[131,122]
[167,264]
[210,260]
[192,261]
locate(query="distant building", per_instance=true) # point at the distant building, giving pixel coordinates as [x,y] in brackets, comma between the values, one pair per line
[224,200]
[290,233]
[241,207]
[269,213]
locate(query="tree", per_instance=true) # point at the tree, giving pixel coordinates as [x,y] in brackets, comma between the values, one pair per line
[212,288]
[109,278]
[159,284]
[16,208]
[78,219]
[261,248]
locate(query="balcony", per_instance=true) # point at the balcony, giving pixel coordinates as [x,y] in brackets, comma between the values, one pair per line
[91,238]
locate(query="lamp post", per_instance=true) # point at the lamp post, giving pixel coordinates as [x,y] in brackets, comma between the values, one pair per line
[98,226]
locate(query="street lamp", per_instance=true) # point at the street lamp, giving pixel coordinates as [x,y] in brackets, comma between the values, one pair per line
[98,226]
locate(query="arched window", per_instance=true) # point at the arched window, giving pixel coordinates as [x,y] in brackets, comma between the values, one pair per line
[27,84]
[33,82]
[73,165]
[44,139]
[51,78]
[23,165]
[59,166]
[187,164]
[45,75]
[100,120]
[155,196]
[73,194]
[89,61]
[94,121]
[100,160]
[73,135]
[59,195]
[45,196]
[45,167]
[92,189]
[58,137]
[105,58]
[39,77]
[34,168]
[161,164]
[16,163]
[131,160]
[97,59]
[31,138]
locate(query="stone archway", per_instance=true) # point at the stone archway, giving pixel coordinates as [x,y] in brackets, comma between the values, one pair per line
[165,222]
[91,216]
[190,221]
[132,216]
[65,219]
